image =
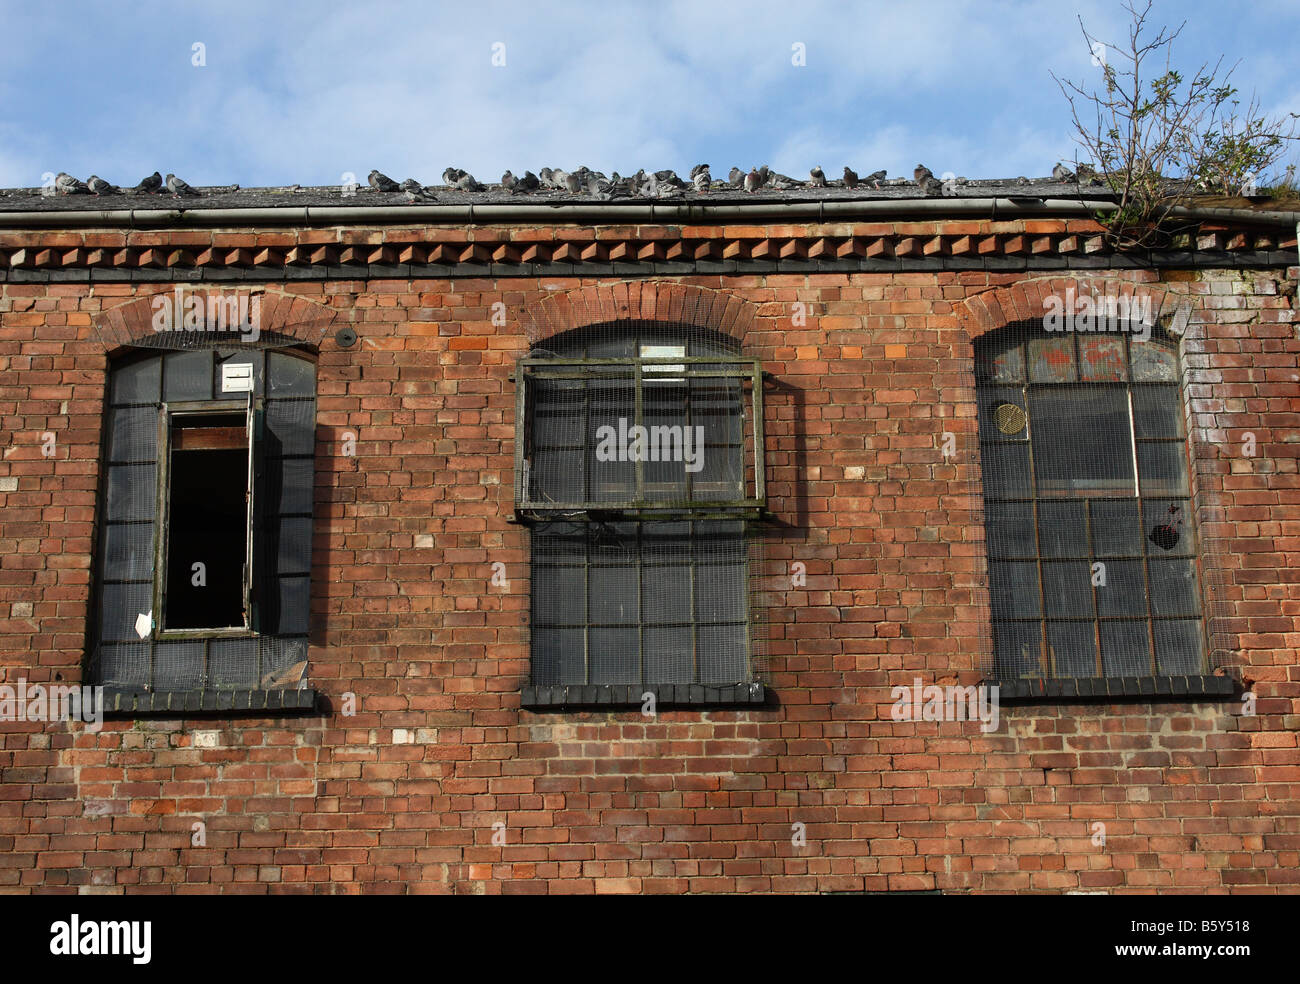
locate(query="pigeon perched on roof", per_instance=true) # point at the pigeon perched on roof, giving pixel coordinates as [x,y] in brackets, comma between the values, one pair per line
[1062,173]
[528,182]
[416,192]
[850,177]
[701,178]
[559,179]
[382,182]
[451,176]
[670,178]
[921,173]
[697,169]
[875,177]
[817,178]
[753,180]
[932,187]
[466,182]
[782,182]
[68,185]
[546,176]
[509,182]
[736,177]
[178,187]
[764,174]
[150,184]
[98,186]
[572,184]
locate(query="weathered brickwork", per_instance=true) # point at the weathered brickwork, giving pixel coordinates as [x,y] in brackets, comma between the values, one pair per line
[403,795]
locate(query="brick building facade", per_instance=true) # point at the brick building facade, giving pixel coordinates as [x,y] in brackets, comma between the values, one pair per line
[403,761]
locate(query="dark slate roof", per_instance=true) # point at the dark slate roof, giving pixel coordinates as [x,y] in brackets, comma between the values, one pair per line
[232,196]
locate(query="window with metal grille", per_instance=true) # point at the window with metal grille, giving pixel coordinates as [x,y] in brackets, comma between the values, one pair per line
[1091,545]
[205,529]
[639,468]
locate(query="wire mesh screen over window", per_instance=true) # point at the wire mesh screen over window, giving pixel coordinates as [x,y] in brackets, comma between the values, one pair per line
[1092,551]
[270,647]
[638,600]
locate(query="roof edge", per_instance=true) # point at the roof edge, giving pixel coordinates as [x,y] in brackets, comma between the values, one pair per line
[1002,208]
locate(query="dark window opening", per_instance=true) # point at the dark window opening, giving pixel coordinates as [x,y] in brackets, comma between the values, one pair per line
[207,522]
[1088,518]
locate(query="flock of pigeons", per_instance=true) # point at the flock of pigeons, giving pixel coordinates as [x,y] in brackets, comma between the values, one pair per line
[643,184]
[657,184]
[66,184]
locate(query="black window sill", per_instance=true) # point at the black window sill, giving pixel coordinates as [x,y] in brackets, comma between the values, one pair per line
[630,696]
[120,702]
[1114,688]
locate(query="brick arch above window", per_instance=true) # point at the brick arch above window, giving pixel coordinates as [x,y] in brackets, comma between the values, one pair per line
[637,300]
[282,315]
[1024,301]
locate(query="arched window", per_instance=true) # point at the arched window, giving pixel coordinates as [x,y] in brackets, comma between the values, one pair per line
[205,522]
[1091,543]
[638,466]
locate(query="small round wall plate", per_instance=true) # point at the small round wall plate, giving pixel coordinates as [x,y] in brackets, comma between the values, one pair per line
[346,337]
[1010,419]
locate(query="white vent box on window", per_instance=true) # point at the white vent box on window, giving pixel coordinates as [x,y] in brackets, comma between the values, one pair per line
[237,378]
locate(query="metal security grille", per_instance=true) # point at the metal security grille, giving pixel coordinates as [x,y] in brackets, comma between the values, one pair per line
[1091,543]
[640,555]
[128,651]
[651,421]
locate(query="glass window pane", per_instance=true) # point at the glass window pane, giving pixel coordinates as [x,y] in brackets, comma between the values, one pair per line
[289,375]
[290,427]
[720,593]
[1116,527]
[615,655]
[1153,361]
[187,376]
[1067,588]
[1157,411]
[1018,649]
[559,595]
[668,655]
[1072,648]
[1061,529]
[133,434]
[722,651]
[1009,527]
[1173,587]
[1006,470]
[613,595]
[137,381]
[1081,439]
[557,657]
[1013,590]
[1051,360]
[1001,363]
[1180,647]
[1125,649]
[1101,359]
[1163,467]
[1122,588]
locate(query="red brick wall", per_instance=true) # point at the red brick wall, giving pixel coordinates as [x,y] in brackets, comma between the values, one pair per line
[403,795]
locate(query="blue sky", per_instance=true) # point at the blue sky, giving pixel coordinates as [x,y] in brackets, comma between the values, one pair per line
[303,92]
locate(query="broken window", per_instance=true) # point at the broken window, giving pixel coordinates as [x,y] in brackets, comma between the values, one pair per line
[1092,550]
[204,553]
[639,468]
